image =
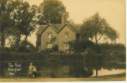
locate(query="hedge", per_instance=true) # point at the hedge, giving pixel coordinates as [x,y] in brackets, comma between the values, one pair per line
[45,62]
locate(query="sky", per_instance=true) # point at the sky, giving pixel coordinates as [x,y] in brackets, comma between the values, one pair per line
[79,10]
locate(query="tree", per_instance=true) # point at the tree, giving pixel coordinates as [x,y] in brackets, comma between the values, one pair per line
[115,56]
[6,8]
[93,59]
[95,29]
[81,45]
[24,20]
[53,11]
[26,46]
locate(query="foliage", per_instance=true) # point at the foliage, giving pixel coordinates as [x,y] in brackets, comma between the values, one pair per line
[6,8]
[42,60]
[93,59]
[96,28]
[114,56]
[26,46]
[108,56]
[23,17]
[53,10]
[81,45]
[18,19]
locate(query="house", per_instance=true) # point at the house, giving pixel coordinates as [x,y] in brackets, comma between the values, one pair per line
[66,35]
[59,36]
[56,35]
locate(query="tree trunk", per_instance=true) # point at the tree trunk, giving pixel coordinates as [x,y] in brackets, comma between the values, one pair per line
[96,72]
[96,40]
[38,42]
[3,40]
[18,40]
[25,38]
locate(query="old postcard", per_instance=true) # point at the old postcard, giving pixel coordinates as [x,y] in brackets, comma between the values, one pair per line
[62,40]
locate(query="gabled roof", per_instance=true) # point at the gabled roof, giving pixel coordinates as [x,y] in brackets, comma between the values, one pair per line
[71,27]
[57,28]
[41,29]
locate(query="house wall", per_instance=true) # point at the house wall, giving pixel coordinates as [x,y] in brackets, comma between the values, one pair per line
[45,39]
[62,38]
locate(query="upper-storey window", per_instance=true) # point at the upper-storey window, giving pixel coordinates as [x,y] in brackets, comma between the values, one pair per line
[50,35]
[66,36]
[50,41]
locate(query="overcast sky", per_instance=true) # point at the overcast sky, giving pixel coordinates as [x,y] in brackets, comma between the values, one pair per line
[79,10]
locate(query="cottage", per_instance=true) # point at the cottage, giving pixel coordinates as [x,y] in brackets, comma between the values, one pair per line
[56,35]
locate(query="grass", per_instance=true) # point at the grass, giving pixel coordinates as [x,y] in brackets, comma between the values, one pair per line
[118,77]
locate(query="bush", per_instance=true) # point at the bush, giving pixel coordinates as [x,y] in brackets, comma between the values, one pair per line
[80,71]
[26,47]
[53,61]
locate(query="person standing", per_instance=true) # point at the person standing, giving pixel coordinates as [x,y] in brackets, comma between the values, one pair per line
[32,71]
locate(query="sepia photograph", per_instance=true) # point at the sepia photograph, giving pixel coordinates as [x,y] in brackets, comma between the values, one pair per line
[62,40]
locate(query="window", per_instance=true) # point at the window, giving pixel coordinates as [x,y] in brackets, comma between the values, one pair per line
[50,41]
[49,35]
[66,36]
[50,38]
[66,41]
[49,46]
[66,46]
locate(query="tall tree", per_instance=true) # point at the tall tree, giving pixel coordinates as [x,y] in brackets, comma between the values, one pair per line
[53,11]
[93,59]
[5,21]
[95,29]
[24,20]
